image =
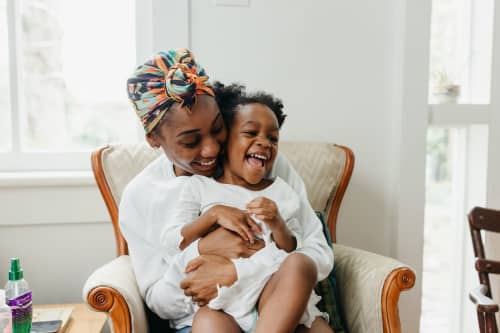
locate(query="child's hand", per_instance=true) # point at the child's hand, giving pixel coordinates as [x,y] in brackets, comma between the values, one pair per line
[266,210]
[236,220]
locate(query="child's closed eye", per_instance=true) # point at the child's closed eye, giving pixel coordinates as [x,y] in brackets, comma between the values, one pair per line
[250,133]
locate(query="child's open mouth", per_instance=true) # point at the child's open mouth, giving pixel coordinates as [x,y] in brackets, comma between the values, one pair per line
[257,160]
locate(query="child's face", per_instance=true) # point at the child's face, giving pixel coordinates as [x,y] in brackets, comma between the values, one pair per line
[252,144]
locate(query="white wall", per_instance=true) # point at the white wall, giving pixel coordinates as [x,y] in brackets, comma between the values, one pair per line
[339,68]
[60,233]
[353,73]
[336,86]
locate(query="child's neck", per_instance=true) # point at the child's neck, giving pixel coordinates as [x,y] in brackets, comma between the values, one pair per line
[230,178]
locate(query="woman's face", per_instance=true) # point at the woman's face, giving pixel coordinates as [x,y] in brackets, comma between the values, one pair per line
[192,140]
[252,145]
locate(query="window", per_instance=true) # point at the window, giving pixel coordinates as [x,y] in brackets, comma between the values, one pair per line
[68,81]
[460,93]
[5,129]
[455,182]
[460,51]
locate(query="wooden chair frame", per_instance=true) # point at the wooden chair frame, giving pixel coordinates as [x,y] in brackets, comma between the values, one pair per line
[489,220]
[109,300]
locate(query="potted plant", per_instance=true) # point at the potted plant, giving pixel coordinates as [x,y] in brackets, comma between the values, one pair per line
[444,90]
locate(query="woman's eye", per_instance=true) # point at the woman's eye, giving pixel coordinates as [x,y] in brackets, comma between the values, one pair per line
[190,144]
[217,130]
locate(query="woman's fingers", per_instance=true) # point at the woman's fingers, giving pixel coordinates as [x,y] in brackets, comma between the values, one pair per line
[254,225]
[238,229]
[245,229]
[193,265]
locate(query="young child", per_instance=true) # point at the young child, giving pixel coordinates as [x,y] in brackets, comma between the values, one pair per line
[272,205]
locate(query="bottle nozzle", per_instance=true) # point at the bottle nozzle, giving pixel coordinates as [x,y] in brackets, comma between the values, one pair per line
[15,273]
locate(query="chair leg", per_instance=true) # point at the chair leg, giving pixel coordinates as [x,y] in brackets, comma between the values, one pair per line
[480,320]
[491,325]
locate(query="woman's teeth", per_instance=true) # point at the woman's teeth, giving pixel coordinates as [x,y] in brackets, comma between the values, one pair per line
[212,162]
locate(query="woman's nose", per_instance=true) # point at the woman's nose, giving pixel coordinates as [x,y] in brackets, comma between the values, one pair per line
[210,148]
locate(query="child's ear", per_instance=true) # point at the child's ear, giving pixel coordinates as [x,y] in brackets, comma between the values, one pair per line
[153,141]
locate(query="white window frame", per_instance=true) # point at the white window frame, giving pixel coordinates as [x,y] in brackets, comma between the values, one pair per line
[464,115]
[16,160]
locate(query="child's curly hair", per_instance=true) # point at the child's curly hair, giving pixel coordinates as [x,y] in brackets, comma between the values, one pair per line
[229,97]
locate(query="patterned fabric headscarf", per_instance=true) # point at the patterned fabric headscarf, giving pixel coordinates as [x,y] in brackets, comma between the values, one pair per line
[170,77]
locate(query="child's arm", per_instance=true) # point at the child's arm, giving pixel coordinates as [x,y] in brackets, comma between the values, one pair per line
[266,210]
[230,218]
[201,226]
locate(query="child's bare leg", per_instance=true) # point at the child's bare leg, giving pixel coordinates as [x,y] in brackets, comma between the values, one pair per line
[207,320]
[285,296]
[319,325]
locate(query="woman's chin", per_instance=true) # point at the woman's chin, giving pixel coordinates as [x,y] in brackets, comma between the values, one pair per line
[206,171]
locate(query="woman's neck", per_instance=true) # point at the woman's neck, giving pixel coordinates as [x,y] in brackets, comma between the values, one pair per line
[180,172]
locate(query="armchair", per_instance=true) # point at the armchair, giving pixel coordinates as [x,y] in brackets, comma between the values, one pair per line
[369,284]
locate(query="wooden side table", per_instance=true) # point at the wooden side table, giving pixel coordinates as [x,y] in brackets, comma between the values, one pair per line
[82,320]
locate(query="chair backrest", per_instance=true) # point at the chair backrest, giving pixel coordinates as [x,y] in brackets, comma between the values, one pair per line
[325,168]
[487,220]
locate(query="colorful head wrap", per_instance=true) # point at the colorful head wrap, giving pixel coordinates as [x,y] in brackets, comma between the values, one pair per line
[170,77]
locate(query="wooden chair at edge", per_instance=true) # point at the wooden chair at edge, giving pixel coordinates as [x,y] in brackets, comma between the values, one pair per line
[488,220]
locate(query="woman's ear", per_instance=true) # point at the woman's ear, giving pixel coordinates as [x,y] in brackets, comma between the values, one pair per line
[153,141]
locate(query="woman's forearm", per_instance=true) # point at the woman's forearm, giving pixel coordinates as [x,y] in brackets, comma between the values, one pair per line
[197,229]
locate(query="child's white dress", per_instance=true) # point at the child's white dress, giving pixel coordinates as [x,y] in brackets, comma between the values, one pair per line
[239,300]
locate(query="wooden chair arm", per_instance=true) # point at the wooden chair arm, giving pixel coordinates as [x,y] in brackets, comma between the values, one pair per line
[399,280]
[106,299]
[369,287]
[112,288]
[483,302]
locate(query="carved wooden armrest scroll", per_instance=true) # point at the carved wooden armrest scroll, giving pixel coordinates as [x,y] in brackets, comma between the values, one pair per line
[106,299]
[399,280]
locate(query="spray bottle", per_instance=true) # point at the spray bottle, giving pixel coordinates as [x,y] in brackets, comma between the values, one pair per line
[19,299]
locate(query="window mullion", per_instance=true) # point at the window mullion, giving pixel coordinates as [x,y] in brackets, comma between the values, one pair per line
[14,32]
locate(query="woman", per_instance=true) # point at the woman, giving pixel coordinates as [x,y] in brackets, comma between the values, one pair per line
[180,115]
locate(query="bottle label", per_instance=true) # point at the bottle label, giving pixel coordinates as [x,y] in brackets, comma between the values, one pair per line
[22,312]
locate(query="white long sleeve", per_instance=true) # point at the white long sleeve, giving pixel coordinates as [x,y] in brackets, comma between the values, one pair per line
[187,209]
[147,204]
[314,243]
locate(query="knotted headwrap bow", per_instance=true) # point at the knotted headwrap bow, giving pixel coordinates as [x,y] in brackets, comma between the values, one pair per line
[170,77]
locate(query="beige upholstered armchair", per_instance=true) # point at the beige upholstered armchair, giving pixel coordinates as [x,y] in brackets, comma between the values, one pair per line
[369,284]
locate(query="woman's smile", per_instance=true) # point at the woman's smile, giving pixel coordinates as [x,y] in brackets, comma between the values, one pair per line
[205,165]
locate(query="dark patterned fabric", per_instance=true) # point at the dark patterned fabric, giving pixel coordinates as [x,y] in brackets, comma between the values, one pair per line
[327,289]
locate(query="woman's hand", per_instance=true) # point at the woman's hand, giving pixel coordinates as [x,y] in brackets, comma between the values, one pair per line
[235,220]
[228,244]
[266,210]
[204,274]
